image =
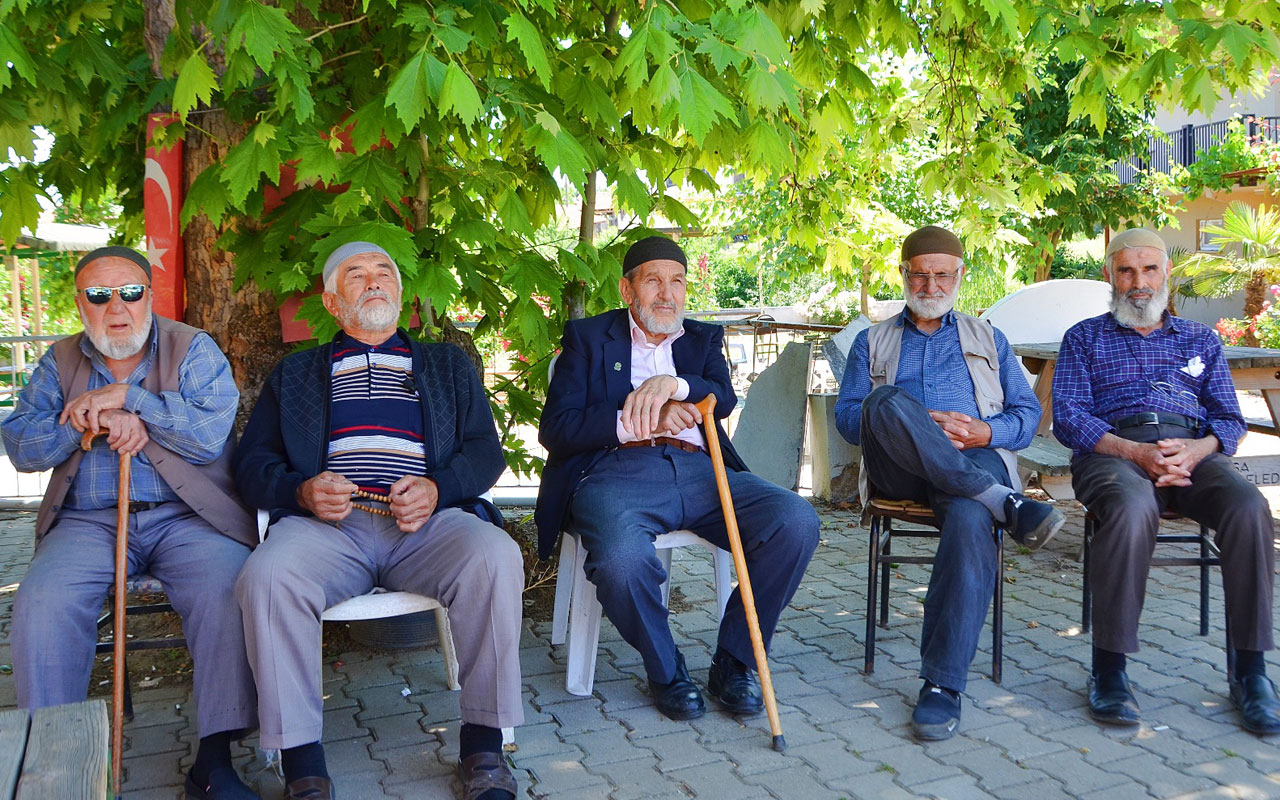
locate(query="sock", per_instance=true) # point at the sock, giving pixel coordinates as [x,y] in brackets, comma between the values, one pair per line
[303,761]
[214,752]
[478,739]
[1106,661]
[1250,662]
[953,692]
[993,498]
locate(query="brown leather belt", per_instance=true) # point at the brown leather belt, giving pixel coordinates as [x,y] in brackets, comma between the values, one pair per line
[680,444]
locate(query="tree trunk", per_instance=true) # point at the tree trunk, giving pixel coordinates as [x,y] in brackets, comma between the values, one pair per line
[245,324]
[864,296]
[1044,267]
[575,292]
[1255,294]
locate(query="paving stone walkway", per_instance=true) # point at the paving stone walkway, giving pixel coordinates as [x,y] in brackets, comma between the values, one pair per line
[848,733]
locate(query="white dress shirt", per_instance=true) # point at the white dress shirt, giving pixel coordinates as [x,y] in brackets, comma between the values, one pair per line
[647,360]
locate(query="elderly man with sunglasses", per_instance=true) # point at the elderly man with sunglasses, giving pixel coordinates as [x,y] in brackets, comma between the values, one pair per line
[162,392]
[1145,401]
[938,402]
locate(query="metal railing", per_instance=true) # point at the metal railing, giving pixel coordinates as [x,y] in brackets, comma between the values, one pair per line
[19,489]
[1182,146]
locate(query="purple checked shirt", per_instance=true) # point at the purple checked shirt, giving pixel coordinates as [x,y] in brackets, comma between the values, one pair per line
[1107,371]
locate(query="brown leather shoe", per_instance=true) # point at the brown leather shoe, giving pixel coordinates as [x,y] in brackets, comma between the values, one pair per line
[309,788]
[484,771]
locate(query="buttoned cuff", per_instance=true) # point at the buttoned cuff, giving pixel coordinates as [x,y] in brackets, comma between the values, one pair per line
[1002,432]
[1228,436]
[682,390]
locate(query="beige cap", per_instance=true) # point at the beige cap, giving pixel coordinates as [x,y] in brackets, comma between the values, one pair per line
[1135,237]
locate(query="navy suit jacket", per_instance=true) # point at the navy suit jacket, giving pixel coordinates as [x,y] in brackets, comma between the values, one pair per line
[592,380]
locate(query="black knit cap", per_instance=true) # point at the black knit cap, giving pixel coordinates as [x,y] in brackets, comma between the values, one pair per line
[119,252]
[931,239]
[652,248]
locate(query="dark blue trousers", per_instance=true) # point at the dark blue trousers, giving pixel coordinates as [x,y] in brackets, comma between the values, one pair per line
[908,457]
[634,495]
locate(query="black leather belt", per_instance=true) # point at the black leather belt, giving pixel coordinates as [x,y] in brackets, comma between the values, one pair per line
[1156,418]
[680,444]
[136,506]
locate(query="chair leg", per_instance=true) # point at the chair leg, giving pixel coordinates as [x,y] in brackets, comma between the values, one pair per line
[873,563]
[445,632]
[565,576]
[723,561]
[1086,596]
[128,692]
[1205,555]
[664,555]
[584,632]
[997,611]
[1231,653]
[885,552]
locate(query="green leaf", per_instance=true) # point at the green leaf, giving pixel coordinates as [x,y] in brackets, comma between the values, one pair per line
[374,175]
[455,40]
[207,196]
[397,241]
[14,58]
[373,123]
[458,94]
[317,160]
[722,55]
[195,85]
[700,105]
[664,86]
[435,284]
[632,62]
[246,163]
[521,31]
[763,91]
[411,89]
[531,275]
[18,206]
[767,148]
[558,150]
[513,214]
[262,32]
[762,37]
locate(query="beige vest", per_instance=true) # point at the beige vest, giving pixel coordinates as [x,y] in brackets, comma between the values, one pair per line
[977,341]
[207,488]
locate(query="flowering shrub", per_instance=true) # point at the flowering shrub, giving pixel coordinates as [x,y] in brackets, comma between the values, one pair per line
[1265,326]
[829,307]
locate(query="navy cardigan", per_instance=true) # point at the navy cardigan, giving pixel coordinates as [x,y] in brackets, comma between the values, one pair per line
[287,439]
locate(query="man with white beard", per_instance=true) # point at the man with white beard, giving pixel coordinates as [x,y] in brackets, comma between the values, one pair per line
[1145,401]
[938,402]
[406,426]
[162,392]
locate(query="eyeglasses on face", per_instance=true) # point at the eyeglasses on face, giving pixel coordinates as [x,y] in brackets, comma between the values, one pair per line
[101,295]
[943,279]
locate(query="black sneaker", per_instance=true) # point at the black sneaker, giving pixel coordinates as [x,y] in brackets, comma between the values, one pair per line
[937,713]
[1031,523]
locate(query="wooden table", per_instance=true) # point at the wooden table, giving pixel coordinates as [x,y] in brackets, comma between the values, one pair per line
[1256,368]
[58,753]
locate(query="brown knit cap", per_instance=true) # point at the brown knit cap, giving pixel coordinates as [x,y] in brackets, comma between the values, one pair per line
[931,239]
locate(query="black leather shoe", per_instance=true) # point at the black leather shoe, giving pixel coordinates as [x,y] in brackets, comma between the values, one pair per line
[681,698]
[1111,699]
[311,787]
[224,784]
[1255,696]
[734,685]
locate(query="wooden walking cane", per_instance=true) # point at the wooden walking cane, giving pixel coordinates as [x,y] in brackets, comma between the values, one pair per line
[118,617]
[706,406]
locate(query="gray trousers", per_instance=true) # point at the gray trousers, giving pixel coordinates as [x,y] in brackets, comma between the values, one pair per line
[306,565]
[1128,506]
[55,612]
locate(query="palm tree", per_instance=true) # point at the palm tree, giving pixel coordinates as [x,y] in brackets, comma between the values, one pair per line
[1249,259]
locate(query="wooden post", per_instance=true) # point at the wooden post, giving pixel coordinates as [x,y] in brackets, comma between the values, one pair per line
[18,361]
[37,305]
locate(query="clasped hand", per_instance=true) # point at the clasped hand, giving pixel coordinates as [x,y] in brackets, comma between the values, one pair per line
[962,430]
[649,410]
[1170,462]
[413,498]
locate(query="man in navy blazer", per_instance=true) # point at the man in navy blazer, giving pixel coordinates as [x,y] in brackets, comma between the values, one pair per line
[627,462]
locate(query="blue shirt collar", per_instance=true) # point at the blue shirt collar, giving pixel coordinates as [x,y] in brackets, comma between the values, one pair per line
[1168,325]
[948,318]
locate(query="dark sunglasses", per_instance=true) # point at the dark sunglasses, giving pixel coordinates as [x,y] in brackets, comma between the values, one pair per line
[101,295]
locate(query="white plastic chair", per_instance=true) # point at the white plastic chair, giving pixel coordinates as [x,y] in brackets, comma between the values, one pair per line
[577,612]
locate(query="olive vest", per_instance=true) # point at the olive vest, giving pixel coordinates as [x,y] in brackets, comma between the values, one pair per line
[977,342]
[207,488]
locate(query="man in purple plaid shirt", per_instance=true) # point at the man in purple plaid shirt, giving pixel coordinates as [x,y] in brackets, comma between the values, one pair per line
[1145,402]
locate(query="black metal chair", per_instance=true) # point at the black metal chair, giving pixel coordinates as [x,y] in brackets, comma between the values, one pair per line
[881,558]
[142,585]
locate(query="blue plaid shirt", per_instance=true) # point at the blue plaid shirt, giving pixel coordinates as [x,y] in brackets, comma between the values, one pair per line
[193,422]
[931,368]
[1106,371]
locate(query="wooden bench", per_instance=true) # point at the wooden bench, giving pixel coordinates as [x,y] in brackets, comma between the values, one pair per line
[1052,462]
[59,752]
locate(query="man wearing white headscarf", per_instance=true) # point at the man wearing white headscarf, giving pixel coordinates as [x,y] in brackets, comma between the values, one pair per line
[407,426]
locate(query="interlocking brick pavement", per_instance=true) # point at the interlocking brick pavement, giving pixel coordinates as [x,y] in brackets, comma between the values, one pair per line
[848,733]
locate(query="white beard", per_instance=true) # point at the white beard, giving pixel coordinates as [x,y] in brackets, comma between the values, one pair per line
[371,317]
[925,308]
[1140,313]
[115,349]
[652,324]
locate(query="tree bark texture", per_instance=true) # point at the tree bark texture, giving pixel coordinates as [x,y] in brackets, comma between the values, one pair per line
[245,324]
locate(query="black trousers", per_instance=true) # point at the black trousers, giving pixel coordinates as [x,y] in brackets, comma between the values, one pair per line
[1128,507]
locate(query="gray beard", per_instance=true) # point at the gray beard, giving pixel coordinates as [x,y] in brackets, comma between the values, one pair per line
[651,324]
[930,308]
[370,317]
[119,350]
[1140,313]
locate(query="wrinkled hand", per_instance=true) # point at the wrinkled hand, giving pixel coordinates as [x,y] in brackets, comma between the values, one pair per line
[964,431]
[677,416]
[327,495]
[126,432]
[643,407]
[1178,459]
[413,501]
[83,412]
